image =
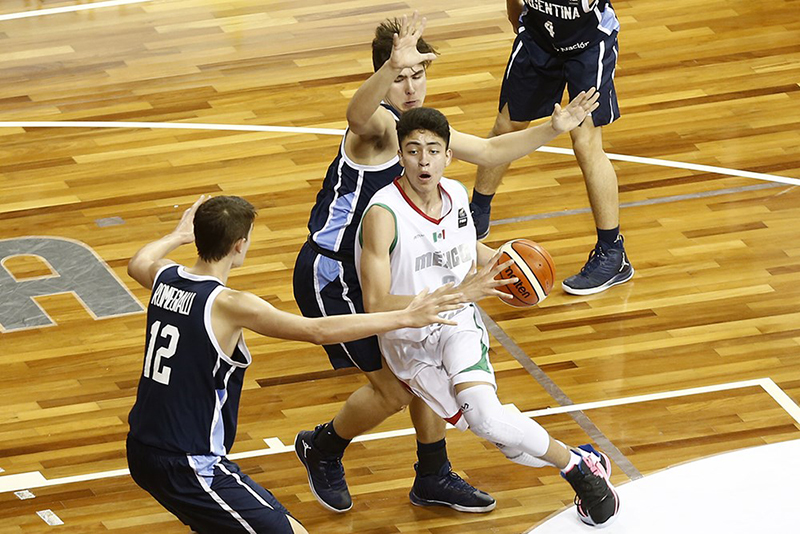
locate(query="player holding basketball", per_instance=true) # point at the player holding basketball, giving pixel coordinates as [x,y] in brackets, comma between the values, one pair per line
[325,281]
[572,43]
[184,420]
[417,233]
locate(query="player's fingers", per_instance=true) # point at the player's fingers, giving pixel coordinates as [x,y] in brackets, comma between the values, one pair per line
[422,23]
[503,282]
[501,267]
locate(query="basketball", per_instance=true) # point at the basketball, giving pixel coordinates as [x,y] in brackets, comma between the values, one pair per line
[533,266]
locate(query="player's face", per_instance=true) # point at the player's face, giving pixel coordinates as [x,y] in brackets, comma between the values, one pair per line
[424,157]
[408,89]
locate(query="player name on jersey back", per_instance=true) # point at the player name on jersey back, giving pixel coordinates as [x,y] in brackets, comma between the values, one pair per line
[173,299]
[556,10]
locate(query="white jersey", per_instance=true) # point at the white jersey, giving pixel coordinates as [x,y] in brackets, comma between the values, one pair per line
[426,252]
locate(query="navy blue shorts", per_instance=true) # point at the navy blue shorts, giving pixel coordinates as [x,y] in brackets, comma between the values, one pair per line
[325,286]
[535,79]
[210,496]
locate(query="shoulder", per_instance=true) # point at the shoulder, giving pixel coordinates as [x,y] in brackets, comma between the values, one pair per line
[239,307]
[388,194]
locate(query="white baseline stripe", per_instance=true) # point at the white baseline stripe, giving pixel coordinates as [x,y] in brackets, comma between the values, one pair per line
[171,126]
[647,398]
[35,479]
[782,398]
[681,165]
[68,9]
[330,131]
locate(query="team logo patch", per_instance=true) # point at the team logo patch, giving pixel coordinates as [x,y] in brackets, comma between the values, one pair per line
[438,236]
[462,217]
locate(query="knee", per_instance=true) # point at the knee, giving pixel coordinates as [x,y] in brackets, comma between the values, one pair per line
[394,397]
[587,142]
[495,429]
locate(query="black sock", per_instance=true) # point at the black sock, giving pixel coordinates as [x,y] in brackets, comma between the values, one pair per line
[432,456]
[328,442]
[607,238]
[484,202]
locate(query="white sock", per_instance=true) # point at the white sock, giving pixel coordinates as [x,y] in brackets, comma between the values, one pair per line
[574,459]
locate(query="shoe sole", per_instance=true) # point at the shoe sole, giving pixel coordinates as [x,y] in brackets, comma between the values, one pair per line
[416,501]
[599,289]
[587,520]
[311,484]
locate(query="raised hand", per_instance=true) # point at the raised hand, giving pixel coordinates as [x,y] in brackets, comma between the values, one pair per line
[426,307]
[185,229]
[568,118]
[404,49]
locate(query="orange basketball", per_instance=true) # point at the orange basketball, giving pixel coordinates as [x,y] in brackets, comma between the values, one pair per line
[533,266]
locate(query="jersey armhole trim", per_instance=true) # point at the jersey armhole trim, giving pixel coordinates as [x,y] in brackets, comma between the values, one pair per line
[160,271]
[213,338]
[361,226]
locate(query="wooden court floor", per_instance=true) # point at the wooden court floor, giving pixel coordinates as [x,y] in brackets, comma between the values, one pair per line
[711,86]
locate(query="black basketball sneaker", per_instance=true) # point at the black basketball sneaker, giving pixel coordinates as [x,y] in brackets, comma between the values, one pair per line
[605,268]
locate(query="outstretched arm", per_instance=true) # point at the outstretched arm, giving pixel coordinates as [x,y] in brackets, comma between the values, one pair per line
[245,310]
[364,116]
[508,147]
[144,265]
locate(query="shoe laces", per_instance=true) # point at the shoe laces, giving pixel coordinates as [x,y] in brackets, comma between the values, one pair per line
[596,257]
[332,471]
[591,486]
[455,482]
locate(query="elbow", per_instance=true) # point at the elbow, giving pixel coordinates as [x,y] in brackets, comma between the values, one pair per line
[317,335]
[135,271]
[370,305]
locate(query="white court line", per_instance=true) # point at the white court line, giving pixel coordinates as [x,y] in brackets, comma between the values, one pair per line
[329,131]
[35,479]
[686,166]
[170,126]
[68,9]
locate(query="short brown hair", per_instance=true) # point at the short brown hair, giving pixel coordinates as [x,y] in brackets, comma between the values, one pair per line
[384,39]
[427,119]
[219,223]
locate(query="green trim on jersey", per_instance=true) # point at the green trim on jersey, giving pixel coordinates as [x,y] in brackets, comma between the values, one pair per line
[361,227]
[483,363]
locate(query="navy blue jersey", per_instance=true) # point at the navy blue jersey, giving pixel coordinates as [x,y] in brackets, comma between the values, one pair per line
[188,396]
[568,26]
[345,193]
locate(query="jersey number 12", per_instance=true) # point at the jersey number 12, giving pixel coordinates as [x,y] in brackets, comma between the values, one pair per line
[161,372]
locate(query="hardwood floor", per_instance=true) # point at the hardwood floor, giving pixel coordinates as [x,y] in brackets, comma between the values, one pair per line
[717,256]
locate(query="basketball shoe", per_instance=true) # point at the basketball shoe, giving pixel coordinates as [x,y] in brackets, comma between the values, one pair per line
[606,267]
[595,499]
[481,219]
[446,488]
[325,474]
